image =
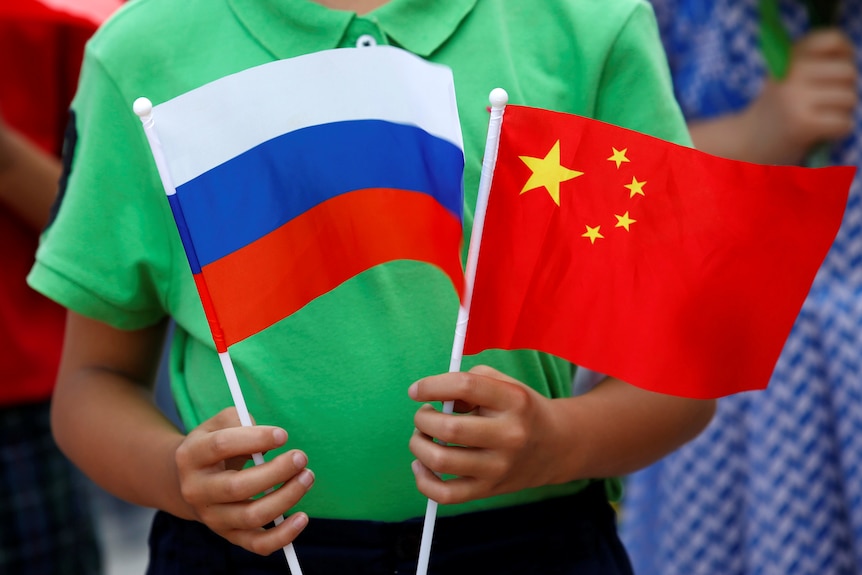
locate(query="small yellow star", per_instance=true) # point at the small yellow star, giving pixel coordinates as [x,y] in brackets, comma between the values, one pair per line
[619,156]
[548,173]
[624,221]
[635,187]
[592,233]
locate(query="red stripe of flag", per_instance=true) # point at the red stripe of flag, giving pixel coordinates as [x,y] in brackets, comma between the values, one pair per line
[315,252]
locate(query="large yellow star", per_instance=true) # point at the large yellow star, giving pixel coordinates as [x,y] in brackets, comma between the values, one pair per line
[619,156]
[592,233]
[635,187]
[624,221]
[548,173]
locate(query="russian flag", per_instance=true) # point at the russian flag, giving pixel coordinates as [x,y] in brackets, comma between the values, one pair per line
[294,176]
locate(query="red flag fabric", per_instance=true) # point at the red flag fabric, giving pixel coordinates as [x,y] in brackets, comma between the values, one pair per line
[87,13]
[42,43]
[671,269]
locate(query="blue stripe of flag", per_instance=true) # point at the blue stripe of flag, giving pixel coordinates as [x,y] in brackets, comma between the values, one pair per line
[255,193]
[183,229]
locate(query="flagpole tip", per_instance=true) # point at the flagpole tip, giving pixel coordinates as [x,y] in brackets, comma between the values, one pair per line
[142,107]
[498,98]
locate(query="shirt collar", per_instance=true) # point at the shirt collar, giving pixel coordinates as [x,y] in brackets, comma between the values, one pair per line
[420,26]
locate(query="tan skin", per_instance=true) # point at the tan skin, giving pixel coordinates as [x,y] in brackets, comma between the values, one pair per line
[516,438]
[28,178]
[814,103]
[103,412]
[358,6]
[513,437]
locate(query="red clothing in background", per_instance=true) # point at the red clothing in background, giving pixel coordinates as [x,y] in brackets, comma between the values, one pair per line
[39,66]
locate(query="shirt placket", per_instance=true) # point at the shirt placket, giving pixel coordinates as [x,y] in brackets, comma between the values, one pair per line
[363,33]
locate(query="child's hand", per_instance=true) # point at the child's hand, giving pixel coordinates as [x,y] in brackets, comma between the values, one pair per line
[815,102]
[28,178]
[504,444]
[214,483]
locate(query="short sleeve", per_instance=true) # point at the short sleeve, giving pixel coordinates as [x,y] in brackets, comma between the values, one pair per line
[106,254]
[636,87]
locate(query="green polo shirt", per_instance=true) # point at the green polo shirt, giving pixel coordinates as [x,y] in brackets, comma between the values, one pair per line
[336,373]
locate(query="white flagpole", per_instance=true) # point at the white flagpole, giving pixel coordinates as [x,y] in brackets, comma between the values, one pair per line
[498,99]
[144,109]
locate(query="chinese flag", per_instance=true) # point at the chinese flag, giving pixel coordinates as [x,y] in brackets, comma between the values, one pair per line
[671,269]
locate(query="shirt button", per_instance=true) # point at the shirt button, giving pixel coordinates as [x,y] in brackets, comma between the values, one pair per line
[366,41]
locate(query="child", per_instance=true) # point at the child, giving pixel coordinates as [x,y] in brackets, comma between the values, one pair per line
[338,376]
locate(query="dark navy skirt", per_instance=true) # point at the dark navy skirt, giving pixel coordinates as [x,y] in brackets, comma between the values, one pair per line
[574,535]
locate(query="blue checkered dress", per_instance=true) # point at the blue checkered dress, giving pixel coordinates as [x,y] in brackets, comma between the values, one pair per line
[774,484]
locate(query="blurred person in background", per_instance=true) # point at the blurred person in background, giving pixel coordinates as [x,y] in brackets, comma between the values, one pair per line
[774,484]
[47,524]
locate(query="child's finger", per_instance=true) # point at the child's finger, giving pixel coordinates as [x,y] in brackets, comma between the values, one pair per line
[468,387]
[828,42]
[469,430]
[267,541]
[234,486]
[452,491]
[202,449]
